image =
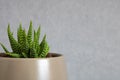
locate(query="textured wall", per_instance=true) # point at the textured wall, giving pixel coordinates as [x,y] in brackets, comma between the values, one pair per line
[85,31]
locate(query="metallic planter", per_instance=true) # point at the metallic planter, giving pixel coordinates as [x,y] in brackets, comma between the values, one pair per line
[32,68]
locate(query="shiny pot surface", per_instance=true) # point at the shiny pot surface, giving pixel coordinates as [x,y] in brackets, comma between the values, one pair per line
[52,68]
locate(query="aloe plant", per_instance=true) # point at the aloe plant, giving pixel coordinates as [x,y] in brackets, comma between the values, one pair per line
[27,44]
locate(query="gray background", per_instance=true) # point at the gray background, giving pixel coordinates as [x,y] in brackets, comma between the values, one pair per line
[85,31]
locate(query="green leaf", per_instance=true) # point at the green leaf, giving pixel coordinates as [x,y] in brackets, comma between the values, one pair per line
[19,33]
[37,43]
[35,39]
[5,49]
[14,44]
[29,35]
[38,34]
[21,36]
[24,42]
[44,51]
[24,55]
[35,55]
[14,55]
[32,52]
[27,44]
[44,48]
[35,36]
[22,39]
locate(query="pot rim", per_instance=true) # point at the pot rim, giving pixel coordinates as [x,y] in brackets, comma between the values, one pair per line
[56,55]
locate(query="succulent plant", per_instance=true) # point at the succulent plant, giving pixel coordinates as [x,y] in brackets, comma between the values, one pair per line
[27,44]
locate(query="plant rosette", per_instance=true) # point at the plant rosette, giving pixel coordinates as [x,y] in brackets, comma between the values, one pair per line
[30,59]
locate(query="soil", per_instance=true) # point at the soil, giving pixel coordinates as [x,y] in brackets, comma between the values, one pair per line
[48,56]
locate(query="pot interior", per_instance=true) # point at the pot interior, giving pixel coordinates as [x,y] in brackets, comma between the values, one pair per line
[48,56]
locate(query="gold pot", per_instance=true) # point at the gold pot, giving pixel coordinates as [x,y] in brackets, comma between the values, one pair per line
[52,68]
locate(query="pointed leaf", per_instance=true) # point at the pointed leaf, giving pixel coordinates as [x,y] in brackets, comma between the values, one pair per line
[14,55]
[14,44]
[32,52]
[19,33]
[44,48]
[24,55]
[24,42]
[35,39]
[29,35]
[38,34]
[5,49]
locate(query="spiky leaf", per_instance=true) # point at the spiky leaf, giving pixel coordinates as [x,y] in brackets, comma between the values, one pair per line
[32,51]
[19,33]
[27,46]
[5,49]
[44,48]
[24,55]
[14,44]
[14,55]
[29,35]
[38,34]
[35,38]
